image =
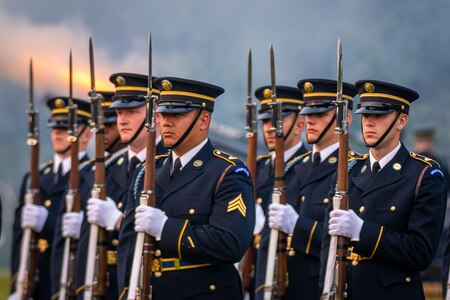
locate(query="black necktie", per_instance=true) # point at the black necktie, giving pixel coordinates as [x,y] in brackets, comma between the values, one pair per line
[375,169]
[134,162]
[59,173]
[316,158]
[176,168]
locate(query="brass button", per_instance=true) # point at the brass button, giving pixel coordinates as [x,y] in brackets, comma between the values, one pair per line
[259,200]
[47,203]
[212,287]
[192,211]
[302,198]
[115,242]
[158,253]
[291,252]
[354,263]
[362,208]
[393,208]
[119,205]
[158,274]
[408,279]
[326,200]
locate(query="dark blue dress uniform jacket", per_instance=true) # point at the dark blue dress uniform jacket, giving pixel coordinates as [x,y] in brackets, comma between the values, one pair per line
[307,187]
[209,228]
[51,196]
[117,189]
[403,210]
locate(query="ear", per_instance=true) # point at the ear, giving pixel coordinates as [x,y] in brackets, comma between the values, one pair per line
[299,125]
[402,121]
[204,120]
[350,117]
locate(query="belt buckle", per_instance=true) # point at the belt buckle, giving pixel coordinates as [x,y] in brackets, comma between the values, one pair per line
[111,257]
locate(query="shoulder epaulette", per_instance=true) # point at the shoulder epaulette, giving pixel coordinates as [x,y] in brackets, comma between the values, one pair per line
[227,157]
[353,155]
[264,156]
[113,159]
[42,166]
[290,164]
[86,164]
[424,159]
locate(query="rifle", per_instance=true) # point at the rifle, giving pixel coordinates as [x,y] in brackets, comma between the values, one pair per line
[277,259]
[251,128]
[96,264]
[336,270]
[28,268]
[68,270]
[144,250]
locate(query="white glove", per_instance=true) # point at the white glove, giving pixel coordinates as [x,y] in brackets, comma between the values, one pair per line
[260,219]
[345,223]
[282,217]
[71,224]
[150,219]
[34,217]
[103,213]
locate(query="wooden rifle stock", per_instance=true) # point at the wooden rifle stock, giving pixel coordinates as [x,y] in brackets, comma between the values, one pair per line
[251,128]
[28,274]
[68,270]
[144,250]
[96,264]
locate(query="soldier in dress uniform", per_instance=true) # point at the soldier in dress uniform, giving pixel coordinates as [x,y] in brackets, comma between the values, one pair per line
[129,103]
[397,202]
[293,124]
[71,224]
[53,180]
[204,215]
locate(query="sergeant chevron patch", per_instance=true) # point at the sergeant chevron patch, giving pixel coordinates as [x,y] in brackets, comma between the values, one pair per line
[237,204]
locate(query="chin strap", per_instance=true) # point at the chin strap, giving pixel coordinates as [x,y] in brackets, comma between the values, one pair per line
[186,133]
[113,144]
[383,136]
[136,134]
[68,147]
[323,132]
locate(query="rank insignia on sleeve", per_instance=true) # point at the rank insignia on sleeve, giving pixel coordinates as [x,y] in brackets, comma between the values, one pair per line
[237,204]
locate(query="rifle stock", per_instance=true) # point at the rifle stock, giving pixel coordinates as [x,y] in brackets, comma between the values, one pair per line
[28,274]
[251,128]
[278,265]
[68,270]
[96,264]
[144,251]
[335,288]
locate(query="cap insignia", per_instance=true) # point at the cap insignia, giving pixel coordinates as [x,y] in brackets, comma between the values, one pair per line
[308,87]
[120,81]
[167,85]
[370,88]
[59,103]
[267,93]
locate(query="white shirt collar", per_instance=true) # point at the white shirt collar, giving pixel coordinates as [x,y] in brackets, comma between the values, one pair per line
[185,158]
[66,163]
[141,155]
[288,153]
[387,158]
[325,152]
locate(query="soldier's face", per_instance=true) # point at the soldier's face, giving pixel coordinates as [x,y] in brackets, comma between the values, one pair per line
[129,120]
[59,139]
[316,124]
[111,134]
[375,125]
[291,140]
